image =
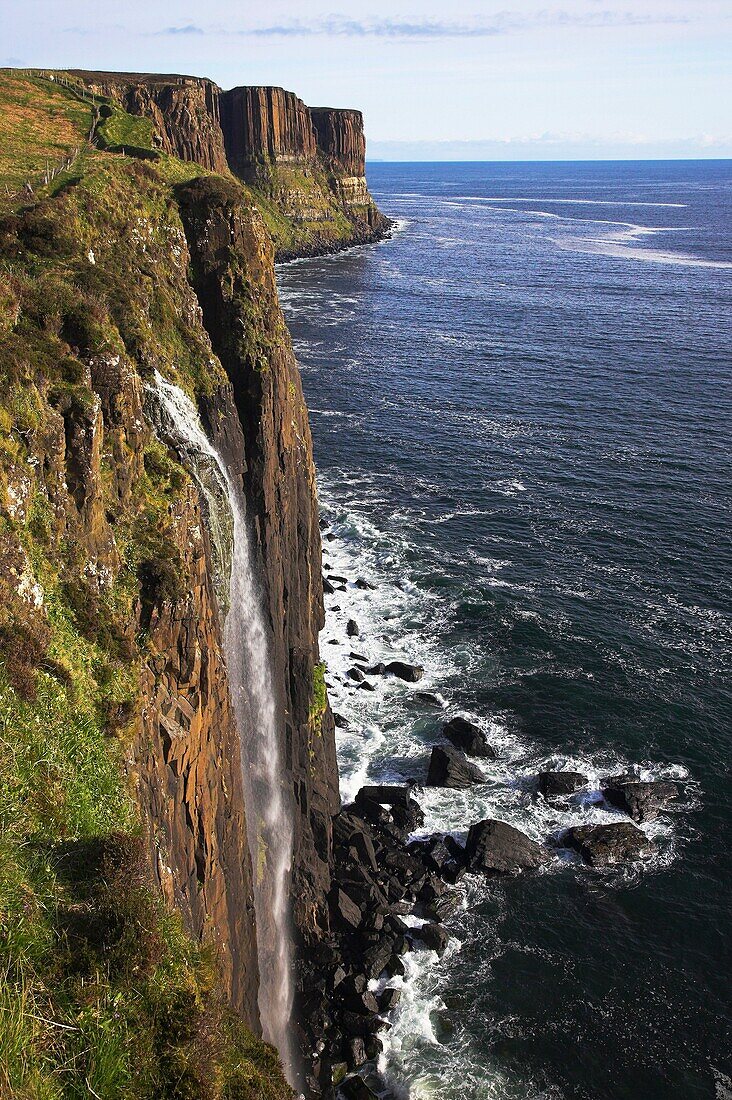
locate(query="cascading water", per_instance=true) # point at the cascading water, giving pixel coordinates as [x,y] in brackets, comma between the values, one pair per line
[248,659]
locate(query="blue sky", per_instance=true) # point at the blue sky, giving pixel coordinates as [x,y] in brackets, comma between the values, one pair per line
[514,79]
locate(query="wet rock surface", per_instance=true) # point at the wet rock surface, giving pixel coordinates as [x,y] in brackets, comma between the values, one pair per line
[560,784]
[467,736]
[450,768]
[643,801]
[605,845]
[497,848]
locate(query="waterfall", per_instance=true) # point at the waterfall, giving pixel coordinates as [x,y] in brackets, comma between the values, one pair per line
[248,658]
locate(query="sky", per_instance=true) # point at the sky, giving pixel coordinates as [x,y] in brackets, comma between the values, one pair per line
[508,80]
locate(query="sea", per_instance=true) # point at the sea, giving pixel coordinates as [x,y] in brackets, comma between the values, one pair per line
[521,410]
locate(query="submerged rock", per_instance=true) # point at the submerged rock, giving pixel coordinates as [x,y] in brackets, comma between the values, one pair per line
[449,768]
[495,847]
[643,801]
[467,736]
[605,845]
[560,784]
[429,699]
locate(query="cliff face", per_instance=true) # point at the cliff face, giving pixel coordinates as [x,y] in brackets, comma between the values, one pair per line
[184,111]
[340,139]
[108,605]
[233,274]
[307,165]
[262,125]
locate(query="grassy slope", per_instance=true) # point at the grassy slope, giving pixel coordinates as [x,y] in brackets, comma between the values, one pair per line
[101,992]
[40,123]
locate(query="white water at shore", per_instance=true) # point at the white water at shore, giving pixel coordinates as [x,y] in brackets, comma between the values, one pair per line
[247,649]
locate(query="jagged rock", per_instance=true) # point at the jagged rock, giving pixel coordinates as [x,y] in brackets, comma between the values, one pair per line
[358,657]
[467,736]
[643,801]
[379,669]
[389,998]
[376,959]
[338,1071]
[345,911]
[440,908]
[340,721]
[605,845]
[405,671]
[449,768]
[355,1088]
[433,936]
[385,794]
[560,784]
[498,848]
[328,588]
[352,629]
[363,1004]
[337,579]
[395,968]
[356,1052]
[374,1046]
[361,583]
[356,674]
[365,685]
[408,818]
[364,848]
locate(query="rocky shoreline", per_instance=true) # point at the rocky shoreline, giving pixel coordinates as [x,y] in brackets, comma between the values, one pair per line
[394,888]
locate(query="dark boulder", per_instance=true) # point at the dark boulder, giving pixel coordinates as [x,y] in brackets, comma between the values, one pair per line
[560,784]
[440,908]
[366,686]
[352,629]
[449,768]
[643,801]
[356,1052]
[428,699]
[365,585]
[605,845]
[433,936]
[355,1088]
[468,737]
[344,911]
[498,848]
[405,671]
[328,588]
[386,794]
[407,818]
[340,722]
[389,998]
[379,669]
[358,657]
[356,674]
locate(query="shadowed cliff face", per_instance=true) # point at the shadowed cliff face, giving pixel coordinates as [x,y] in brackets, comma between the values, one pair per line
[233,274]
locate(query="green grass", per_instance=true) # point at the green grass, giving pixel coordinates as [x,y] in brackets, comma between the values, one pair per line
[41,123]
[121,129]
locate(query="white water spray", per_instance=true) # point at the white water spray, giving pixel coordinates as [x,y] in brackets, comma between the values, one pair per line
[246,643]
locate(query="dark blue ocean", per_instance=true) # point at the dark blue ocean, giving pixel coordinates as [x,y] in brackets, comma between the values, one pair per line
[521,409]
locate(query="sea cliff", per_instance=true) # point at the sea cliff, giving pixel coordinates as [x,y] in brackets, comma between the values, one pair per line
[138,237]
